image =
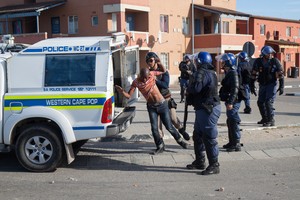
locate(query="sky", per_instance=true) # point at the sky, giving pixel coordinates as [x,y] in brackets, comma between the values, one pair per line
[286,9]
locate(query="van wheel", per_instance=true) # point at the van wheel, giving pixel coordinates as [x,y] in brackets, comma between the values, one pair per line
[39,149]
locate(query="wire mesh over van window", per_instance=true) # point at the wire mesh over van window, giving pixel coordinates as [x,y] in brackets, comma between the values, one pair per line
[70,70]
[130,67]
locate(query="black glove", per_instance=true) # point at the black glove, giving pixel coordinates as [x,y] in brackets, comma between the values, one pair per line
[281,86]
[253,88]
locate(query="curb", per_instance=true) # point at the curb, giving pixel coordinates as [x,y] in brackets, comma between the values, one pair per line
[292,94]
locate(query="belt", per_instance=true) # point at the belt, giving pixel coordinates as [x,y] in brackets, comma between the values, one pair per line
[157,103]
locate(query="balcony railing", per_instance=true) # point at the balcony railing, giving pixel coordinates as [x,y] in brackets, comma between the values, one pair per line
[218,40]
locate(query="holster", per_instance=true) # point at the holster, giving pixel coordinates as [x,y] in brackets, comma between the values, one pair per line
[172,104]
[207,107]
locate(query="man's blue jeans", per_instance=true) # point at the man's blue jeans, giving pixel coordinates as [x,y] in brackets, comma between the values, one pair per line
[162,110]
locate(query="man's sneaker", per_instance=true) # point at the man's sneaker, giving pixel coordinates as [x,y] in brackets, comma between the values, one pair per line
[159,150]
[196,165]
[182,143]
[184,134]
[236,147]
[212,169]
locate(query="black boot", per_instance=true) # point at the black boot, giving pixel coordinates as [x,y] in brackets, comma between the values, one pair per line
[270,115]
[184,134]
[269,123]
[213,168]
[247,110]
[182,143]
[263,113]
[234,147]
[226,146]
[197,164]
[262,121]
[229,135]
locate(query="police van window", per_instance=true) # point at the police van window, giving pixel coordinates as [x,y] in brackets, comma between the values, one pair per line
[130,67]
[70,70]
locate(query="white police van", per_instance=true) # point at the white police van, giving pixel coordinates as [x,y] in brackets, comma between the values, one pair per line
[58,93]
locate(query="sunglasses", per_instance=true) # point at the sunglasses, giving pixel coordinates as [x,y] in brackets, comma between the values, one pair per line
[150,60]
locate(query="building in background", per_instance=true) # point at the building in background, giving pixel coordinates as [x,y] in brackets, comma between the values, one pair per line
[171,28]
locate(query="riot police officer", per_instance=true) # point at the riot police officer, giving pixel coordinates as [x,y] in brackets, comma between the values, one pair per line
[229,94]
[267,70]
[186,68]
[202,93]
[244,70]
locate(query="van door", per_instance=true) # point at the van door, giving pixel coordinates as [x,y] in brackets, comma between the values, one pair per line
[126,67]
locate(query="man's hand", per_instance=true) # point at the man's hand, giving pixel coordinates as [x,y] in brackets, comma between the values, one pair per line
[119,89]
[229,106]
[281,86]
[252,87]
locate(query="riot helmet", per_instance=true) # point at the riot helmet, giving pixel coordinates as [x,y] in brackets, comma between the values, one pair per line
[228,59]
[203,58]
[266,50]
[243,56]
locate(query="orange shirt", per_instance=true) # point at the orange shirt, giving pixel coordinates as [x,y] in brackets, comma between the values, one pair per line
[149,89]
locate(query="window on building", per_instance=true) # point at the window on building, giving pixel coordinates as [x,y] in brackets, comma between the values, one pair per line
[1,28]
[55,25]
[225,27]
[197,27]
[298,32]
[130,22]
[164,23]
[216,27]
[289,31]
[288,57]
[164,58]
[262,29]
[70,70]
[95,21]
[112,22]
[73,25]
[185,25]
[17,27]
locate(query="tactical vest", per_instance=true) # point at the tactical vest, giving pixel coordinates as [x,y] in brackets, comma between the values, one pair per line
[267,71]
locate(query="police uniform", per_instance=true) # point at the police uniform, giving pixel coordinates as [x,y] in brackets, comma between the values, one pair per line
[244,70]
[185,69]
[229,94]
[268,71]
[203,95]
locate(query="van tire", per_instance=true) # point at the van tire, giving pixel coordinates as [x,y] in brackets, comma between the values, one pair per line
[39,148]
